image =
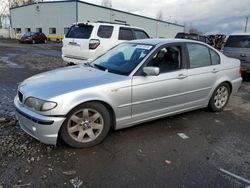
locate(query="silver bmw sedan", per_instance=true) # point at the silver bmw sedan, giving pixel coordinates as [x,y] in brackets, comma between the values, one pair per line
[134,82]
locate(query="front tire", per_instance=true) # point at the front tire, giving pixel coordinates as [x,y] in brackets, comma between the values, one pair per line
[220,97]
[86,125]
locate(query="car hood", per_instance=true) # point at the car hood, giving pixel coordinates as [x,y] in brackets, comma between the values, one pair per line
[65,80]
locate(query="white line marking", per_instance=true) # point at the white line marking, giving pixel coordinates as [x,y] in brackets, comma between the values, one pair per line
[235,176]
[182,135]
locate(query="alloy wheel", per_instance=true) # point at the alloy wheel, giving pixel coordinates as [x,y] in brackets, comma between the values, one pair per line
[221,97]
[85,125]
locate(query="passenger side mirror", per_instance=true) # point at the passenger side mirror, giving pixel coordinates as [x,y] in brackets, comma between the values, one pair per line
[151,71]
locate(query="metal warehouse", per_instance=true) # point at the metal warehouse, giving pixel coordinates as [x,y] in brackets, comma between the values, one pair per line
[54,18]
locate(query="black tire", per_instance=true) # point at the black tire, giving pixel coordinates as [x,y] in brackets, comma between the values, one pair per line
[212,102]
[98,107]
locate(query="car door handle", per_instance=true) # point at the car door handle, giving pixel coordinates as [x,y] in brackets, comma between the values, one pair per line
[215,70]
[181,76]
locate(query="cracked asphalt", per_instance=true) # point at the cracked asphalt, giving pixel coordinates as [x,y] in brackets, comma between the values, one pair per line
[148,155]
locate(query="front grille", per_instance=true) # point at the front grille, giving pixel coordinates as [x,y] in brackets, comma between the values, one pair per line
[20,96]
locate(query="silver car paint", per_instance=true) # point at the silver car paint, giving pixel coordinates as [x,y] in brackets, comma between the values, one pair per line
[134,99]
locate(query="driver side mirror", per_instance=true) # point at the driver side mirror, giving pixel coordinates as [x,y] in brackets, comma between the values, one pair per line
[151,71]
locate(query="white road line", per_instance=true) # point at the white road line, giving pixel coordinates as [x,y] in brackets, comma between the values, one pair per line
[235,176]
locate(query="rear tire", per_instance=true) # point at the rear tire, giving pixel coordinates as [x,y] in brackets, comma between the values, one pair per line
[86,125]
[220,97]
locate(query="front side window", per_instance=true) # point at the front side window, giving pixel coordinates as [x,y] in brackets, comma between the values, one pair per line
[123,58]
[125,34]
[80,31]
[140,34]
[215,58]
[105,31]
[168,59]
[199,55]
[52,30]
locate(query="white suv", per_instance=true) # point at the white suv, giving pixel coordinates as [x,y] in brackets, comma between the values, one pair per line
[86,41]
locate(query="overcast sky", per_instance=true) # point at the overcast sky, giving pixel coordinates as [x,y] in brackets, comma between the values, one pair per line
[213,16]
[208,16]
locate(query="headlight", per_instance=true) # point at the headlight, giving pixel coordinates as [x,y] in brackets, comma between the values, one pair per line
[39,105]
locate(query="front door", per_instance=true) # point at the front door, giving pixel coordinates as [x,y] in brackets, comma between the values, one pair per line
[153,96]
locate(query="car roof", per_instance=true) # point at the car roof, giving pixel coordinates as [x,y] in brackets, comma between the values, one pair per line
[240,34]
[107,23]
[163,41]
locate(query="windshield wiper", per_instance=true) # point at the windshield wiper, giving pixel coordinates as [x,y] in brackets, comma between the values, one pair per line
[88,64]
[101,67]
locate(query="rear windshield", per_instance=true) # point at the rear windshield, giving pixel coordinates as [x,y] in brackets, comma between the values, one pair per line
[80,31]
[238,42]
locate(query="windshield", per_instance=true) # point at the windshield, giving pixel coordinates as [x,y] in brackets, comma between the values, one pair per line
[28,34]
[238,42]
[123,58]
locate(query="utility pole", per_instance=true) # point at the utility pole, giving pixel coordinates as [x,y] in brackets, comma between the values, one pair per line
[246,24]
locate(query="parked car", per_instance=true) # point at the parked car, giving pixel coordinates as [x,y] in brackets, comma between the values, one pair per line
[134,82]
[238,46]
[86,41]
[33,38]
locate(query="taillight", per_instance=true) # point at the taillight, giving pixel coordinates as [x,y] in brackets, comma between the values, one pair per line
[241,70]
[93,44]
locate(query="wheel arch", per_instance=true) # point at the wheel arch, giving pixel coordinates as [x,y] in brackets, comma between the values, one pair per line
[107,106]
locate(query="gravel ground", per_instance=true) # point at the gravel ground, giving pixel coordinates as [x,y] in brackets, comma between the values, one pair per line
[148,155]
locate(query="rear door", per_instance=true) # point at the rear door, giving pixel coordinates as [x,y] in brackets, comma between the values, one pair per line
[76,41]
[203,70]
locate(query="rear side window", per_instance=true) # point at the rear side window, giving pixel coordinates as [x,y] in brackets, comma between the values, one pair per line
[105,31]
[238,41]
[125,34]
[215,58]
[139,34]
[199,55]
[80,31]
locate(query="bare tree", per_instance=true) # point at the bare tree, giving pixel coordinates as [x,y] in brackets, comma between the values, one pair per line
[107,3]
[4,14]
[15,3]
[159,15]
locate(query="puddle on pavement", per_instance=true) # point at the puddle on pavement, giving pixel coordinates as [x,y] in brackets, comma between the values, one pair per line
[7,61]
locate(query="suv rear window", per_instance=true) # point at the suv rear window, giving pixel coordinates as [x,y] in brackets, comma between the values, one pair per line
[80,31]
[238,41]
[125,34]
[105,31]
[139,34]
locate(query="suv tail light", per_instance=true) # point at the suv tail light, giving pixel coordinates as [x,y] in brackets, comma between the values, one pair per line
[241,70]
[93,44]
